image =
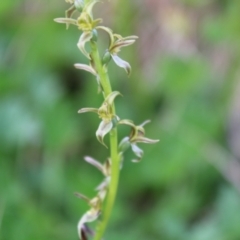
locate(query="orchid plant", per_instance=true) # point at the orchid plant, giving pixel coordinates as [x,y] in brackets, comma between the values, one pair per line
[103,202]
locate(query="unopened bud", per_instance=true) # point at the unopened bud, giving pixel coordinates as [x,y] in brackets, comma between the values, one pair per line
[94,35]
[106,58]
[115,121]
[79,4]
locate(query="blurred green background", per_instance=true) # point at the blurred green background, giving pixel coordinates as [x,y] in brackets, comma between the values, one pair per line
[185,79]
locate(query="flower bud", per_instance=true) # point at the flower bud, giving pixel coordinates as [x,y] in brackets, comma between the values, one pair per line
[94,35]
[115,121]
[106,57]
[79,4]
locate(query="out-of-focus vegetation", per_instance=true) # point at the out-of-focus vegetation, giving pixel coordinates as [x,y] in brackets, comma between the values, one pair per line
[185,78]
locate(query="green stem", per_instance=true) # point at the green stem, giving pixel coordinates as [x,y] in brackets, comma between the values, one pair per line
[106,85]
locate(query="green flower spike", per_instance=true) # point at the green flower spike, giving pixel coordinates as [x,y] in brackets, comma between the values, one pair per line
[116,43]
[105,112]
[136,135]
[107,188]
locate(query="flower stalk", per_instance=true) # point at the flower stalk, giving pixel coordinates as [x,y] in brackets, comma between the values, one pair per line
[102,203]
[107,89]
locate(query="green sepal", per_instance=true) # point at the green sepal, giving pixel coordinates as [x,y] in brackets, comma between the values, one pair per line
[89,6]
[69,13]
[83,197]
[84,110]
[127,122]
[110,98]
[141,139]
[66,21]
[121,42]
[109,32]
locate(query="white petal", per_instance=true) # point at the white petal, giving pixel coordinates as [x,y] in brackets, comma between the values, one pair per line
[84,38]
[121,63]
[86,68]
[137,151]
[124,145]
[104,128]
[89,216]
[95,163]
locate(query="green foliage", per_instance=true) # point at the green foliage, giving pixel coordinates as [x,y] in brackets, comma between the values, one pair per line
[178,192]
